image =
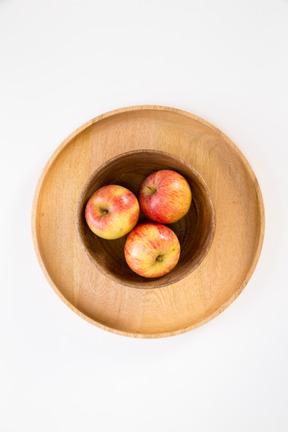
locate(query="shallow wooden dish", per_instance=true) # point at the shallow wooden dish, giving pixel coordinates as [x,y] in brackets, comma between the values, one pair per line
[180,306]
[195,231]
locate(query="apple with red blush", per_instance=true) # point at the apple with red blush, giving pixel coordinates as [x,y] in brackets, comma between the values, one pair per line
[152,250]
[112,211]
[165,196]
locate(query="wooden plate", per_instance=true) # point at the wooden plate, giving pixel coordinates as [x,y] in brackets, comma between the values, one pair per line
[205,292]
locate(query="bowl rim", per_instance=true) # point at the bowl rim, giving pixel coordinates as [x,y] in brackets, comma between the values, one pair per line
[79,209]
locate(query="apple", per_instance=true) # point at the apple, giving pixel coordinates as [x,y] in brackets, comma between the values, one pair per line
[152,250]
[165,196]
[112,212]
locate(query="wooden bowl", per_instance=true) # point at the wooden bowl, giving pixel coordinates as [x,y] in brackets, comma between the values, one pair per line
[203,293]
[195,231]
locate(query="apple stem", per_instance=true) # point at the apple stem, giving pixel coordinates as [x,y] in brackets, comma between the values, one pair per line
[151,189]
[159,258]
[104,212]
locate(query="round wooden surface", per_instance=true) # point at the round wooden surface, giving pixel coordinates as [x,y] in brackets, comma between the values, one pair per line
[195,231]
[205,292]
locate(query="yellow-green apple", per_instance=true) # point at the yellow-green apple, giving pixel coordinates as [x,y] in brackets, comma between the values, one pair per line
[152,250]
[165,196]
[112,212]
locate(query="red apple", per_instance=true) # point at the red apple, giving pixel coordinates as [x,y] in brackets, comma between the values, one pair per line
[152,250]
[112,212]
[165,196]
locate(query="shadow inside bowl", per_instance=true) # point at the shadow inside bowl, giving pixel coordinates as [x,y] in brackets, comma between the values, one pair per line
[195,231]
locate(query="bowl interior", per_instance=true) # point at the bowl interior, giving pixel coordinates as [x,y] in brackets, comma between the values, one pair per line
[195,231]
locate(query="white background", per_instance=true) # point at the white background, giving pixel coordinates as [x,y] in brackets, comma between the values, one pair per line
[63,62]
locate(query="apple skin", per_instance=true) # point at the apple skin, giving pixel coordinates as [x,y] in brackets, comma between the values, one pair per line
[165,196]
[112,211]
[152,250]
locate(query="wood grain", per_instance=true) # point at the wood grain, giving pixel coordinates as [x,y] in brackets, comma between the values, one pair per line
[180,306]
